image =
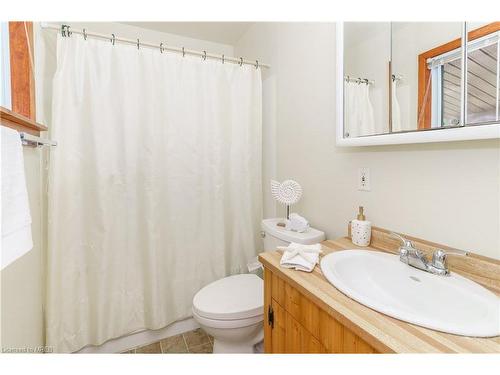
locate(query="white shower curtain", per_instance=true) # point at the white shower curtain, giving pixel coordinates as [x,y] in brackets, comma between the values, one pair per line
[358,115]
[154,188]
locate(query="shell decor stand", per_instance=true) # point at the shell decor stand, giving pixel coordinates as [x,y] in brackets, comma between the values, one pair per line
[287,193]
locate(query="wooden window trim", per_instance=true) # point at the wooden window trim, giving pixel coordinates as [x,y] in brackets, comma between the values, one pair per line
[23,113]
[20,123]
[424,73]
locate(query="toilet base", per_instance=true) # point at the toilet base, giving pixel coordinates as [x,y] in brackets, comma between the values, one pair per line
[236,340]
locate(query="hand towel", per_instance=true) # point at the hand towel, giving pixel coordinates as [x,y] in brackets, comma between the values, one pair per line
[16,218]
[297,223]
[300,257]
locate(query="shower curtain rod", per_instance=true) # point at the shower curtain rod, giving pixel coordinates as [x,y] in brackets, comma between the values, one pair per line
[66,31]
[366,81]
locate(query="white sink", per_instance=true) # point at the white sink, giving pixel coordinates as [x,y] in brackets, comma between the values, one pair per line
[451,304]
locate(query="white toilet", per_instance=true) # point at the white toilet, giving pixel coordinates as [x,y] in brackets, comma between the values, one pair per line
[232,309]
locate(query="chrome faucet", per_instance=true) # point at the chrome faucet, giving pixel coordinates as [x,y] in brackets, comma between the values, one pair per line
[410,255]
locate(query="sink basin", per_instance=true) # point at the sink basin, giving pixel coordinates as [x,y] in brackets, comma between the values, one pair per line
[451,304]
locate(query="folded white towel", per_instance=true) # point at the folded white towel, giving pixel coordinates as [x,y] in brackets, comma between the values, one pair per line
[297,223]
[16,218]
[301,257]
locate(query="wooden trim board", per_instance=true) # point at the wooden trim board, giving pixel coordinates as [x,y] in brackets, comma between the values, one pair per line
[21,73]
[20,123]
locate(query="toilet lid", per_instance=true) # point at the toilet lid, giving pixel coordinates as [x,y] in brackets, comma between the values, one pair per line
[233,297]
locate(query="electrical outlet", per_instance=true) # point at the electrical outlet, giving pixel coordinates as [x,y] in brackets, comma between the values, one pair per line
[364,179]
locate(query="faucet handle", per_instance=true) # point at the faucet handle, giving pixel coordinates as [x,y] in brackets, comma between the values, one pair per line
[406,242]
[439,256]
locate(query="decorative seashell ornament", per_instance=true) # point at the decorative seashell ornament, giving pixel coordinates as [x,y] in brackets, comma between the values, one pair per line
[287,192]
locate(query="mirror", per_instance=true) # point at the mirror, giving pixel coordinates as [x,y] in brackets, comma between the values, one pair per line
[426,77]
[406,77]
[366,69]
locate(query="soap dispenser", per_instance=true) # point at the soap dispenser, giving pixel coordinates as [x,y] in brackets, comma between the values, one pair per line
[361,229]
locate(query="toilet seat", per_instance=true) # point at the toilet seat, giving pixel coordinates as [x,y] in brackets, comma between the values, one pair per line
[234,299]
[227,324]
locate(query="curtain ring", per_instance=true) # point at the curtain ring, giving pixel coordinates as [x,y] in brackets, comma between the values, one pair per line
[113,39]
[138,44]
[161,47]
[256,64]
[241,61]
[65,30]
[204,55]
[183,52]
[84,34]
[223,59]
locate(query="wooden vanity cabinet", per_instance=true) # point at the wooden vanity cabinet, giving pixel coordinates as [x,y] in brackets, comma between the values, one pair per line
[295,324]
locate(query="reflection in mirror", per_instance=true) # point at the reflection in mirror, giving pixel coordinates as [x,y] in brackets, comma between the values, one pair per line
[367,53]
[483,73]
[426,75]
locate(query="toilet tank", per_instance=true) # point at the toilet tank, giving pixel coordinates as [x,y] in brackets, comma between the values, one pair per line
[274,235]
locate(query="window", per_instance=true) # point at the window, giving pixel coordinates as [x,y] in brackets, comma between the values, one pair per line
[5,99]
[439,91]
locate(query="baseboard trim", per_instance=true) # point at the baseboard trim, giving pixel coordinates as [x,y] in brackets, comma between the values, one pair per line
[141,338]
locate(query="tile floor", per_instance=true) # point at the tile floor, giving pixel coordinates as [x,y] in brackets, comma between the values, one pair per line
[196,341]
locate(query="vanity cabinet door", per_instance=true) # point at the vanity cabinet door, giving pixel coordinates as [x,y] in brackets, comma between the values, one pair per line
[300,340]
[289,336]
[295,324]
[282,332]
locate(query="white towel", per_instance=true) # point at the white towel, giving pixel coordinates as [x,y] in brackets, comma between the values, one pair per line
[16,218]
[297,223]
[359,116]
[396,111]
[300,257]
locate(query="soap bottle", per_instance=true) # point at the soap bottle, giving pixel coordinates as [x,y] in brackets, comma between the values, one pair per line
[361,229]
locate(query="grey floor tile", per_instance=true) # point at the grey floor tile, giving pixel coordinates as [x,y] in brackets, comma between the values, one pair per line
[149,349]
[174,344]
[203,348]
[196,338]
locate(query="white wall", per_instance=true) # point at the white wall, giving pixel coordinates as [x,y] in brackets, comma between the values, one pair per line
[445,192]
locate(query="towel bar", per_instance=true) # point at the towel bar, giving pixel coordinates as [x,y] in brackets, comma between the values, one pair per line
[34,141]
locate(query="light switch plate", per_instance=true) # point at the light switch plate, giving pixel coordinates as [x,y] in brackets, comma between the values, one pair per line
[364,179]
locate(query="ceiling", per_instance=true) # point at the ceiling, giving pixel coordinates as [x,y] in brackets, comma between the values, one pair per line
[220,32]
